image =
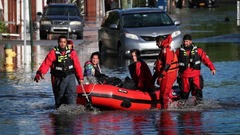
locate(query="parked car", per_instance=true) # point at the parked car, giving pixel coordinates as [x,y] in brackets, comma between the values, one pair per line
[61,18]
[201,3]
[136,28]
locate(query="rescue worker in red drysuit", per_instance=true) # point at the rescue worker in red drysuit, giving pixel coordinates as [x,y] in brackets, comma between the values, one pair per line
[140,72]
[70,44]
[65,69]
[190,79]
[166,68]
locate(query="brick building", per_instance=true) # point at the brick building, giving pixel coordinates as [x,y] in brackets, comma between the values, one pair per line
[16,12]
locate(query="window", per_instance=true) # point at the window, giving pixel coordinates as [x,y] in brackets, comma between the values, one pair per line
[113,18]
[64,11]
[146,20]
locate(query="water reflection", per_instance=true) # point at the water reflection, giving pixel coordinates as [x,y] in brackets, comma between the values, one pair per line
[110,123]
[190,122]
[61,124]
[64,124]
[167,124]
[126,122]
[6,77]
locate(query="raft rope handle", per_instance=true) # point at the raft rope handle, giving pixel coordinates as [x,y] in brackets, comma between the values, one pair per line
[85,94]
[90,91]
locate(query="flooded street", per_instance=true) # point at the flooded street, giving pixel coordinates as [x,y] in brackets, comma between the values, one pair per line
[27,107]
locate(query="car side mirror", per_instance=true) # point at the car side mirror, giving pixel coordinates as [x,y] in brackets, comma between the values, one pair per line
[176,22]
[39,13]
[113,26]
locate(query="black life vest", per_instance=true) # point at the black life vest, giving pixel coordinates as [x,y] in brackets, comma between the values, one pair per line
[63,65]
[192,60]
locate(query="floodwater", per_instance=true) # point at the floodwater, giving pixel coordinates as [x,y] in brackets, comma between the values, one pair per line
[27,108]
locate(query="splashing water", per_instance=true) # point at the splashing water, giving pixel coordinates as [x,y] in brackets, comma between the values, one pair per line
[74,110]
[190,105]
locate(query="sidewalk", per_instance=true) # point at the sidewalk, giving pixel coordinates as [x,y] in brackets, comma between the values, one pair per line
[90,35]
[91,31]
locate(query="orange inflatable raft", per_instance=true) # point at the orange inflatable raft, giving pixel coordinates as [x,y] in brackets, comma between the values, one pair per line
[116,98]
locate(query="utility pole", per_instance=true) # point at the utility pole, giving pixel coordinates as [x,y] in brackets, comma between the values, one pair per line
[31,33]
[169,6]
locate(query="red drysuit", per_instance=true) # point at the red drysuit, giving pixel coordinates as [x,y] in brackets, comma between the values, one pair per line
[190,80]
[166,68]
[141,75]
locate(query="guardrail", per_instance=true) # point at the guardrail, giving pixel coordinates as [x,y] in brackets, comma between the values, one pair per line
[9,35]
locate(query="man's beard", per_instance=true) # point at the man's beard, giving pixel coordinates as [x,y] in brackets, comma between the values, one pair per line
[188,47]
[62,49]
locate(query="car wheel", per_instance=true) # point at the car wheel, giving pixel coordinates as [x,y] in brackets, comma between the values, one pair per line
[120,53]
[80,35]
[43,35]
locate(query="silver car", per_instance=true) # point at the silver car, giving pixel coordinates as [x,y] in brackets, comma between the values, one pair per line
[136,28]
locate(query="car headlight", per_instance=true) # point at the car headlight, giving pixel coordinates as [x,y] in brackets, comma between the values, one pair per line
[75,23]
[45,22]
[176,33]
[131,36]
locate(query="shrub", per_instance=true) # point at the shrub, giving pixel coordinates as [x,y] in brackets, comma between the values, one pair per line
[3,27]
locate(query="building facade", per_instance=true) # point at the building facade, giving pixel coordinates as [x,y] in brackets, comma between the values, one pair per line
[17,12]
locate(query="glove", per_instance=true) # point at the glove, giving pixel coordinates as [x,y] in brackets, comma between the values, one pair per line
[159,80]
[161,76]
[80,82]
[37,78]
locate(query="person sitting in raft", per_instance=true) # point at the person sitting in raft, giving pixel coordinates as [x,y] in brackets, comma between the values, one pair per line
[140,72]
[93,73]
[92,68]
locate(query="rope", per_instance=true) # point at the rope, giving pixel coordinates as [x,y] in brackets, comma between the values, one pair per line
[83,89]
[90,91]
